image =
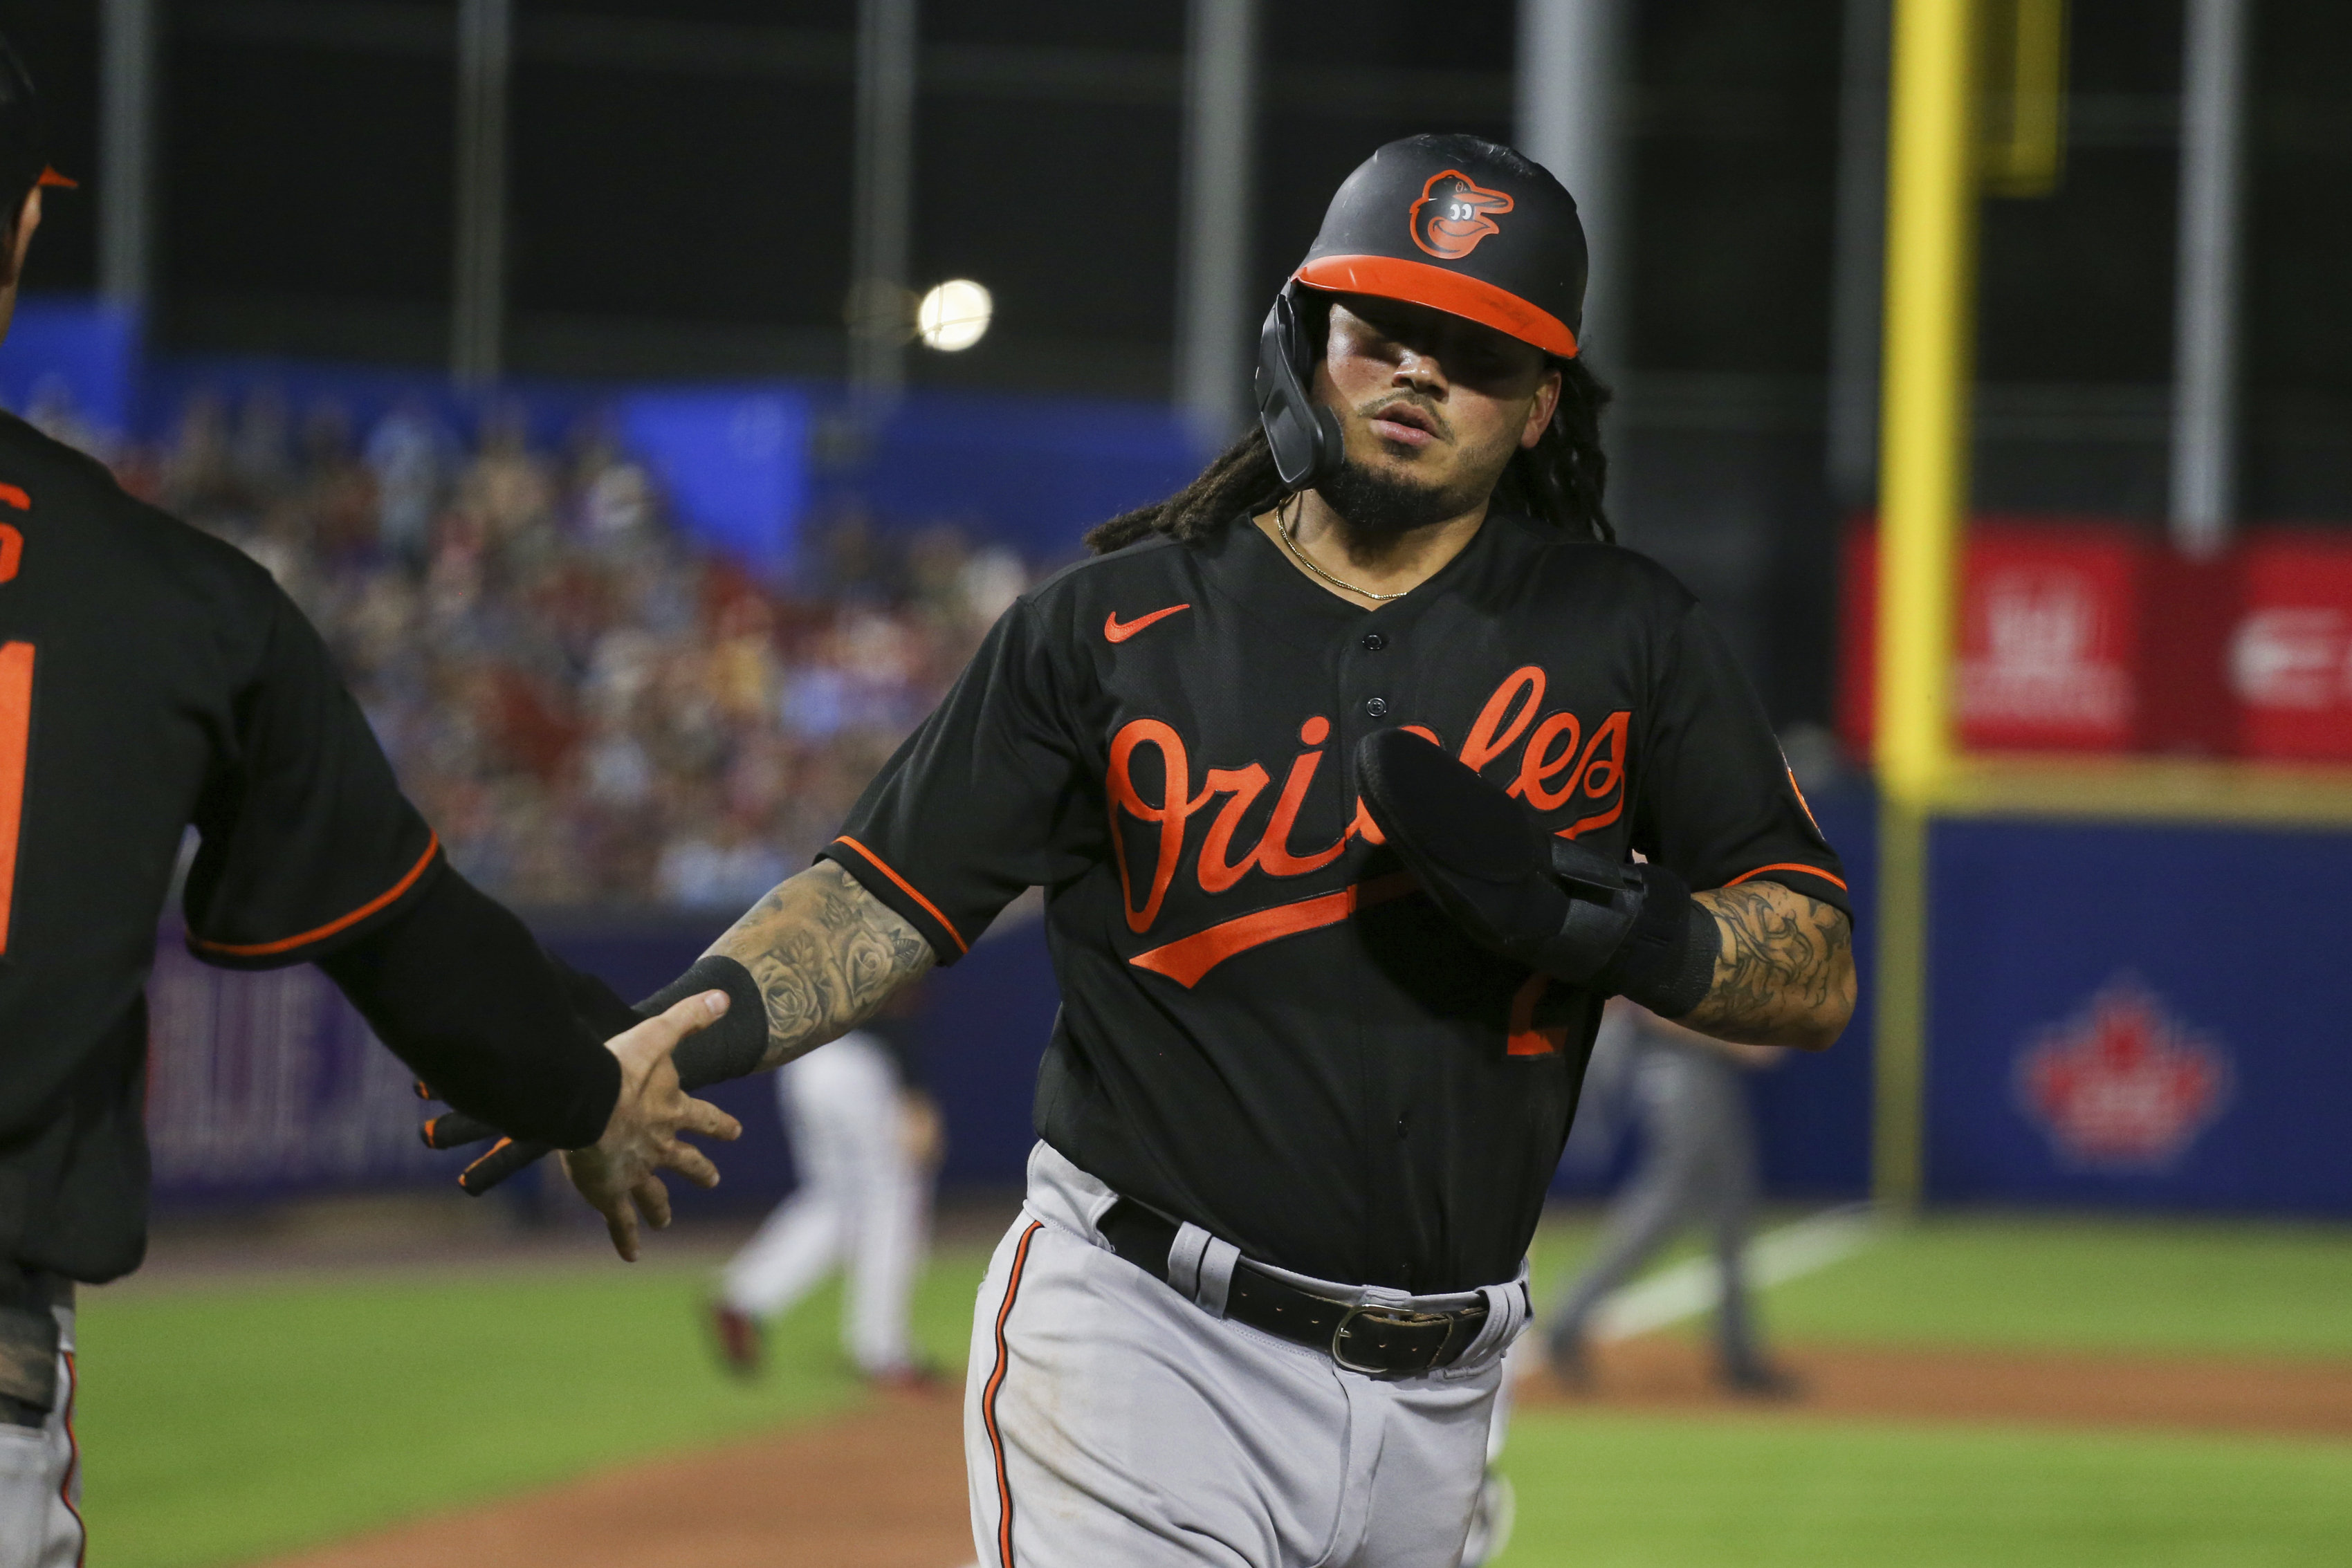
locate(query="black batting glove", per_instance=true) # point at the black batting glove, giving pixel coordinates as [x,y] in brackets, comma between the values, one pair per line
[1610,927]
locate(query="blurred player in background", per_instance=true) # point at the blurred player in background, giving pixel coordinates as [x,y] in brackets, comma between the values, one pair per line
[154,678]
[867,1137]
[1699,1167]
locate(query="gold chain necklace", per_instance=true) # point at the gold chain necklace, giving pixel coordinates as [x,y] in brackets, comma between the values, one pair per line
[1283,526]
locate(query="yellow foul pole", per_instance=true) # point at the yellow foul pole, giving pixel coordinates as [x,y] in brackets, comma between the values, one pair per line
[1923,494]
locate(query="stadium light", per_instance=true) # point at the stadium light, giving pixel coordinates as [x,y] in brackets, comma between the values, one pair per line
[953,315]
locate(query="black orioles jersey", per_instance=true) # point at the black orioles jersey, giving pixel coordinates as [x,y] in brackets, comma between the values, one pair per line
[151,677]
[1264,1028]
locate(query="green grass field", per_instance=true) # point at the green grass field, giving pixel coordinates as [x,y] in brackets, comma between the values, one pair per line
[222,1422]
[225,1420]
[1600,1490]
[2063,1283]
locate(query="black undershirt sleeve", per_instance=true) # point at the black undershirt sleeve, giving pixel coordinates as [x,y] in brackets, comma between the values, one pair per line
[307,840]
[459,989]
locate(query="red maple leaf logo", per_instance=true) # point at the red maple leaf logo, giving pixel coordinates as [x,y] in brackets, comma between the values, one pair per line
[2125,1085]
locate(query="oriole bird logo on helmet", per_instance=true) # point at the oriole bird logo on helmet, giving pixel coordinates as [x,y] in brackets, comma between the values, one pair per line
[1455,213]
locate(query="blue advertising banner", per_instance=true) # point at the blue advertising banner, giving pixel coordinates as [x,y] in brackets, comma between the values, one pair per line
[2140,1017]
[1032,473]
[734,463]
[267,1085]
[72,366]
[1813,1110]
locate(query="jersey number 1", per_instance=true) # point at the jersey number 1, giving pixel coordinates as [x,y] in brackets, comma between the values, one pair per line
[15,744]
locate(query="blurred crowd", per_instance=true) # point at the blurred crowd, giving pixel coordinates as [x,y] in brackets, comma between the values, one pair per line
[590,707]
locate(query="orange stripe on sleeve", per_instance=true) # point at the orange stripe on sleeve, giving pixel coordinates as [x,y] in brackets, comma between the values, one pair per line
[908,888]
[1838,883]
[343,923]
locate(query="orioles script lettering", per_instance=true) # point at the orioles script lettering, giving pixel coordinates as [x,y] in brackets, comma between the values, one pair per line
[1559,768]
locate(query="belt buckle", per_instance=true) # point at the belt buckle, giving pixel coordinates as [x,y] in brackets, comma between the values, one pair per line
[1396,1316]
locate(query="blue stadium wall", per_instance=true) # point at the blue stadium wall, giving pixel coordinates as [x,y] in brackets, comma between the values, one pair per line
[2125,1017]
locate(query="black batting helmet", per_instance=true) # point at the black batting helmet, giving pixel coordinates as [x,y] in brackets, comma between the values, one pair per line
[1456,223]
[24,137]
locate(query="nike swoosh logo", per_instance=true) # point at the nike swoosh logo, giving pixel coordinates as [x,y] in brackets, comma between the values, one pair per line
[1117,631]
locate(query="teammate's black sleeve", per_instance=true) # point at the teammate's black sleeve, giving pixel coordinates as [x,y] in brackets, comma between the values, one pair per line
[462,993]
[311,852]
[307,841]
[1717,802]
[987,799]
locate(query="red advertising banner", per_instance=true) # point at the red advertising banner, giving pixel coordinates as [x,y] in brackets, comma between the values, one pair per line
[2290,650]
[2098,637]
[2050,629]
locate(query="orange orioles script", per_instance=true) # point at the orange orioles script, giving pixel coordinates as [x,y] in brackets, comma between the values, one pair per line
[1559,768]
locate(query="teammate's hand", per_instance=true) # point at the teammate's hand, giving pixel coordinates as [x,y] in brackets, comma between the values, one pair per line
[618,1174]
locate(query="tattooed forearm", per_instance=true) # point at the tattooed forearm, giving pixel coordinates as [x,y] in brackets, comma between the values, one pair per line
[1785,973]
[826,954]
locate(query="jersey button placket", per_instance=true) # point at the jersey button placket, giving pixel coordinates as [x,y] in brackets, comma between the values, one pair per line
[1373,643]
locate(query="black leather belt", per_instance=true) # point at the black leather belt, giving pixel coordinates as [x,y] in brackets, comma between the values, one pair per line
[1382,1340]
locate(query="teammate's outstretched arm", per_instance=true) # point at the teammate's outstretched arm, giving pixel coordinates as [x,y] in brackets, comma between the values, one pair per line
[824,953]
[805,965]
[1784,974]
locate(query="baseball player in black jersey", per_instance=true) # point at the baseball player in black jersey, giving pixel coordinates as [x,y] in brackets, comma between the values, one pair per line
[153,678]
[1358,773]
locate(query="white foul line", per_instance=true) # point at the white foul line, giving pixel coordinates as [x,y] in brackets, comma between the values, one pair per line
[1695,1285]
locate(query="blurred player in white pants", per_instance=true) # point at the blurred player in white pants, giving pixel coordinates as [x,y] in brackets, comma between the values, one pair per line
[867,1141]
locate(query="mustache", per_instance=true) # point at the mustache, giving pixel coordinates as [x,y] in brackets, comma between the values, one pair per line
[1439,425]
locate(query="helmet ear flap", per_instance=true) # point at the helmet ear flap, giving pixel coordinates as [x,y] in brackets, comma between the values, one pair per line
[1305,437]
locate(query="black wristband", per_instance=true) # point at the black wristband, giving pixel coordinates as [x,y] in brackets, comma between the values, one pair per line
[1687,985]
[1666,962]
[731,1048]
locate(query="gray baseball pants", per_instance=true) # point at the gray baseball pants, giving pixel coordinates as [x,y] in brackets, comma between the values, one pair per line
[1108,1419]
[41,1476]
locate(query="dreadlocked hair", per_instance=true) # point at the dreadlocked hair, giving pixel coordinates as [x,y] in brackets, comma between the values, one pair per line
[1559,480]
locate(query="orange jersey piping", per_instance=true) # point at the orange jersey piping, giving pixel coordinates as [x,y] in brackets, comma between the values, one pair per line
[1838,883]
[320,933]
[908,889]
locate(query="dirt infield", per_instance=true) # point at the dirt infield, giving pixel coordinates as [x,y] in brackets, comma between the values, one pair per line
[2172,1393]
[881,1488]
[884,1487]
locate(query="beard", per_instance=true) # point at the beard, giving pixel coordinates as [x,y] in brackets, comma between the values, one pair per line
[1378,506]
